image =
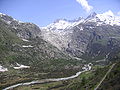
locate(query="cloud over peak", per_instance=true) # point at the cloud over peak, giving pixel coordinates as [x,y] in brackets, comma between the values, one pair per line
[85,5]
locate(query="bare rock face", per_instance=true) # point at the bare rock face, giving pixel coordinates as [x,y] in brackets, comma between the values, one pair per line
[80,38]
[88,37]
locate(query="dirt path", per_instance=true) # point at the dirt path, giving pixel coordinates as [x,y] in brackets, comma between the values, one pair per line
[105,76]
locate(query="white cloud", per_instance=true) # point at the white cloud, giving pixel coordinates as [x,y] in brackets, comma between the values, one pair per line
[118,13]
[85,5]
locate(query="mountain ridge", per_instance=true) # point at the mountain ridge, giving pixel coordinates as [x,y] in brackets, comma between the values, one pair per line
[75,40]
[67,35]
[30,52]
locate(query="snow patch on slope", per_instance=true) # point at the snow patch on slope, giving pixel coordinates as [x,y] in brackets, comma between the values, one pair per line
[58,33]
[27,46]
[2,69]
[25,40]
[20,66]
[58,38]
[1,14]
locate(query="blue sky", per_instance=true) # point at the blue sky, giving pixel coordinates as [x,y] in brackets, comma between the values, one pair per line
[44,12]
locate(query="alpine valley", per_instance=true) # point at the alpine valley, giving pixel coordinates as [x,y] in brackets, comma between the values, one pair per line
[80,54]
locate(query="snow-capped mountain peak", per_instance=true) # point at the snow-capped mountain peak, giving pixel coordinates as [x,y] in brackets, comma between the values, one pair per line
[92,15]
[61,24]
[1,14]
[105,18]
[109,18]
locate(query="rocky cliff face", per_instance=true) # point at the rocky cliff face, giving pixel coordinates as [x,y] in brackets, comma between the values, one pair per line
[90,37]
[94,41]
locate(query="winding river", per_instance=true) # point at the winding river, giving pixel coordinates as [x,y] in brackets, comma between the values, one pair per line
[86,68]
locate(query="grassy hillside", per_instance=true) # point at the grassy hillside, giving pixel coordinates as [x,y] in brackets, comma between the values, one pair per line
[112,81]
[86,81]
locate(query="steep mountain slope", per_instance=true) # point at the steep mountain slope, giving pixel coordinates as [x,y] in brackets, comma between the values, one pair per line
[112,81]
[57,33]
[23,30]
[11,36]
[96,37]
[95,41]
[24,55]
